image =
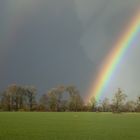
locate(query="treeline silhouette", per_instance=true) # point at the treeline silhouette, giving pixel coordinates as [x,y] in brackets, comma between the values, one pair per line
[62,99]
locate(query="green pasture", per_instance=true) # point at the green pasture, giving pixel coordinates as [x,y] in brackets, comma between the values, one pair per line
[69,126]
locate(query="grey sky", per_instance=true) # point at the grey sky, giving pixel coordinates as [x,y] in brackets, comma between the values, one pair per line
[52,42]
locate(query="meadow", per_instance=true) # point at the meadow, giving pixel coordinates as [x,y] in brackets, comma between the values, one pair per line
[69,126]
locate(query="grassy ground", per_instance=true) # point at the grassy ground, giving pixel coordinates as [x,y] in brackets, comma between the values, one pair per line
[69,126]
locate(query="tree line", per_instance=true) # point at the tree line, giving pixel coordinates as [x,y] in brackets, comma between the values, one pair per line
[62,99]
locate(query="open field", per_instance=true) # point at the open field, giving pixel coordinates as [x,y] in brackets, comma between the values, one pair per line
[69,126]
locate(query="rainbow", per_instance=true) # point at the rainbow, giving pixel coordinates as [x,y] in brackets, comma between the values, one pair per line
[114,58]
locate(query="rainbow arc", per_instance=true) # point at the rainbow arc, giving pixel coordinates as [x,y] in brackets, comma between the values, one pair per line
[114,58]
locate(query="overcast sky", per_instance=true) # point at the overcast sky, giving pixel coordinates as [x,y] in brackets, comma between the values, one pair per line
[54,42]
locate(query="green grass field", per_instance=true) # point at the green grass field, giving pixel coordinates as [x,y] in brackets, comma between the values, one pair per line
[69,126]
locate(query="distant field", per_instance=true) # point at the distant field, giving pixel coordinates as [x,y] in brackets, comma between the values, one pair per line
[69,126]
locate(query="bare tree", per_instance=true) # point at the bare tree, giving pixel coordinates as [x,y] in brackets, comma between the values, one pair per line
[14,92]
[53,100]
[75,100]
[106,105]
[118,101]
[92,104]
[7,98]
[138,104]
[30,92]
[130,106]
[6,101]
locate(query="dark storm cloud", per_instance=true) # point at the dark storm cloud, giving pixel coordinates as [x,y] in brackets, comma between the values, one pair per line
[106,25]
[45,50]
[47,43]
